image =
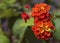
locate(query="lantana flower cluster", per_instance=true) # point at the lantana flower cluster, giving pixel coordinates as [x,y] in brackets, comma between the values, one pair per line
[42,21]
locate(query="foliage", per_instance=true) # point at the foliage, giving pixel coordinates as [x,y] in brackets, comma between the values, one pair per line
[56,12]
[20,27]
[5,3]
[3,38]
[57,26]
[8,13]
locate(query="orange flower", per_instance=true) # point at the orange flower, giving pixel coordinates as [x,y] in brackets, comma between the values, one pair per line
[42,21]
[41,16]
[42,30]
[49,24]
[44,6]
[38,31]
[41,8]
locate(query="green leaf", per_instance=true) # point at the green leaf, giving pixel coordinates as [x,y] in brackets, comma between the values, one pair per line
[4,39]
[8,13]
[19,29]
[18,25]
[30,22]
[10,2]
[5,3]
[2,6]
[57,32]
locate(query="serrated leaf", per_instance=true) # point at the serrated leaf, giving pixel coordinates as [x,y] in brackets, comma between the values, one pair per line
[57,32]
[22,33]
[19,29]
[19,24]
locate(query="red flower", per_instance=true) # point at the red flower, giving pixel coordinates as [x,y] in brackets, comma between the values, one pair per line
[42,21]
[49,24]
[25,16]
[40,33]
[27,6]
[46,35]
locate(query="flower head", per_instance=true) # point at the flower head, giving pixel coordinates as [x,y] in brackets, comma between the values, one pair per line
[25,16]
[42,21]
[41,8]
